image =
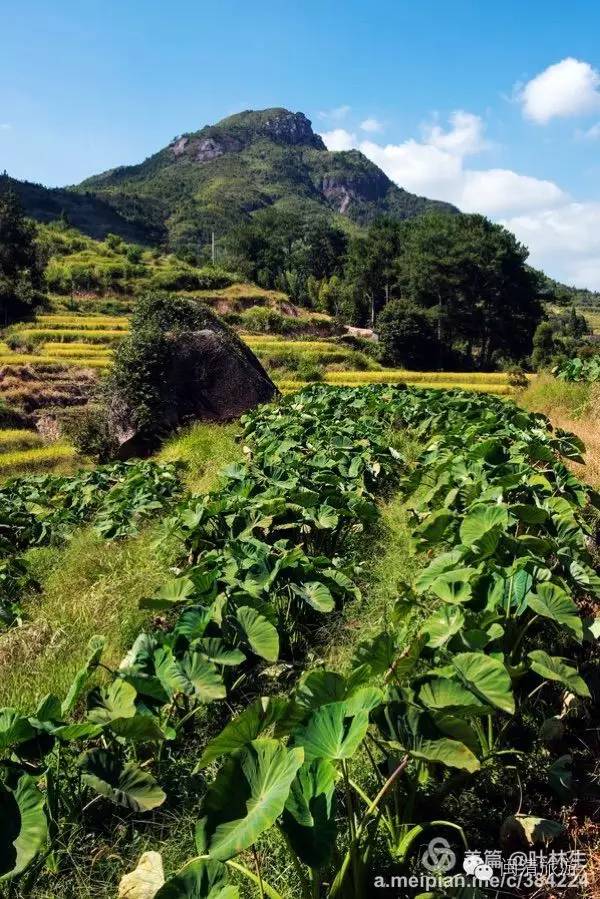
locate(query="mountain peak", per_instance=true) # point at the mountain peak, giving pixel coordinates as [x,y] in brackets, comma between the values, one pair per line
[236,132]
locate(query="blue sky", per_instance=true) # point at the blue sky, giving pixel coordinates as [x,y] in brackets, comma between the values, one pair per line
[493,106]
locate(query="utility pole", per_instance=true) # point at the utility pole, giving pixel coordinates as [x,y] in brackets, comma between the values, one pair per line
[212,245]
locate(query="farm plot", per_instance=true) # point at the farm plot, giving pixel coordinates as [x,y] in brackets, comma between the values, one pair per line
[446,703]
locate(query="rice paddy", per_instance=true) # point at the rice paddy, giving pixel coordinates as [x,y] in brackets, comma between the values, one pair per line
[36,456]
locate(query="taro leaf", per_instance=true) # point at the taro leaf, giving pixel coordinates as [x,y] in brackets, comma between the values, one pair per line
[142,728]
[319,688]
[193,622]
[201,878]
[442,625]
[116,701]
[95,648]
[408,658]
[458,729]
[516,588]
[454,586]
[378,653]
[203,680]
[442,563]
[487,677]
[531,829]
[23,826]
[169,672]
[173,593]
[316,595]
[560,777]
[431,531]
[482,528]
[309,816]
[553,602]
[48,709]
[248,725]
[446,752]
[331,734]
[529,513]
[586,577]
[145,880]
[553,668]
[14,729]
[445,695]
[246,798]
[124,784]
[259,633]
[216,650]
[591,631]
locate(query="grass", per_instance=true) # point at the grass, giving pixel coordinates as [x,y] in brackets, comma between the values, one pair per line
[19,439]
[205,448]
[93,586]
[34,459]
[80,321]
[69,335]
[354,379]
[574,407]
[92,361]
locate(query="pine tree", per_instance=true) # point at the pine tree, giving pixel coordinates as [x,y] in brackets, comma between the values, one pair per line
[22,288]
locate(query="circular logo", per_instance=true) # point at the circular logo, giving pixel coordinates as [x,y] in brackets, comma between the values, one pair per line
[438,857]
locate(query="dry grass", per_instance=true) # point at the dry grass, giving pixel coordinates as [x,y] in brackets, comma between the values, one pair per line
[70,335]
[574,407]
[92,361]
[348,379]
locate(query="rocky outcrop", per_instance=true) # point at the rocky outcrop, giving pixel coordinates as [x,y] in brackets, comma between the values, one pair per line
[210,375]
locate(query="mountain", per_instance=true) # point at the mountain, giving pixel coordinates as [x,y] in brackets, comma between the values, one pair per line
[89,214]
[210,180]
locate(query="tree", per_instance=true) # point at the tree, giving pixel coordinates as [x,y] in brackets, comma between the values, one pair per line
[543,346]
[474,273]
[22,262]
[407,335]
[370,268]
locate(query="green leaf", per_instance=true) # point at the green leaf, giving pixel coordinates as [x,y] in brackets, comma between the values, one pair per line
[124,784]
[446,752]
[248,725]
[482,528]
[173,593]
[454,586]
[378,653]
[553,602]
[309,814]
[532,829]
[199,879]
[203,681]
[443,624]
[95,649]
[316,595]
[431,531]
[246,798]
[487,678]
[553,668]
[331,734]
[115,701]
[14,729]
[23,826]
[442,694]
[259,633]
[216,650]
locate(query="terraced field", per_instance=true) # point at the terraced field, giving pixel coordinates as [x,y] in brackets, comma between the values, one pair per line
[23,450]
[56,358]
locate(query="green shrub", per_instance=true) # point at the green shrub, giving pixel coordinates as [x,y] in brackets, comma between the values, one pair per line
[87,428]
[22,343]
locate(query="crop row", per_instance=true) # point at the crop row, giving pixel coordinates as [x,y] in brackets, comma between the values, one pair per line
[267,556]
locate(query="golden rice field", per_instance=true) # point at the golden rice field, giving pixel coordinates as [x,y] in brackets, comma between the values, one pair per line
[36,456]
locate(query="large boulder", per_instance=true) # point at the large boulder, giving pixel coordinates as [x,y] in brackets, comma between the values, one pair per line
[207,375]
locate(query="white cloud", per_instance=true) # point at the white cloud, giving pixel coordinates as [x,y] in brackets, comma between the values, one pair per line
[592,133]
[563,241]
[339,139]
[434,167]
[371,125]
[563,236]
[567,88]
[463,138]
[5,126]
[336,114]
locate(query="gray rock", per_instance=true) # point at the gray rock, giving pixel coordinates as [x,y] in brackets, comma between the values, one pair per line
[210,375]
